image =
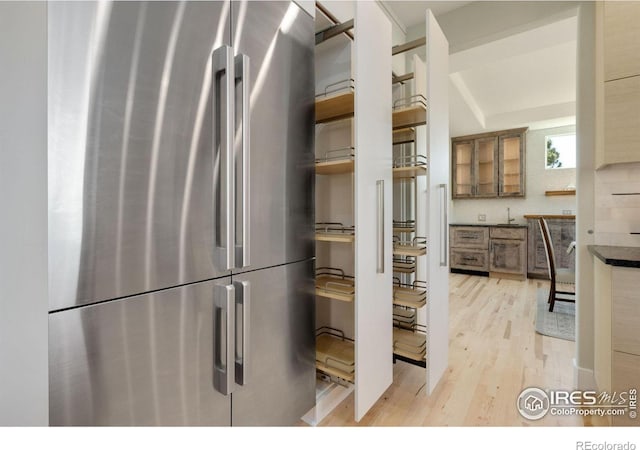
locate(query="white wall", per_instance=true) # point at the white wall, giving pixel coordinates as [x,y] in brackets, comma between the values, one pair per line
[538,180]
[24,384]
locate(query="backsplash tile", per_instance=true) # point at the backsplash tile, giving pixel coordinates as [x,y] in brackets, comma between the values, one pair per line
[617,215]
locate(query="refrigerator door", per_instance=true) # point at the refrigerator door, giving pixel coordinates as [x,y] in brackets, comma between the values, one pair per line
[147,360]
[276,40]
[275,372]
[136,150]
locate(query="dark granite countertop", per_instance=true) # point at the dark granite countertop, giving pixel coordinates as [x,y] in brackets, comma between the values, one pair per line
[616,256]
[501,225]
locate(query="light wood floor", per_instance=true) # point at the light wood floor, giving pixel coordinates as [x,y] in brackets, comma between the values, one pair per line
[494,353]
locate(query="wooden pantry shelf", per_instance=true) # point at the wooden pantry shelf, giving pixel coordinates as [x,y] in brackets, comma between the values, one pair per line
[410,344]
[335,353]
[416,247]
[409,112]
[404,226]
[336,161]
[336,103]
[409,166]
[334,232]
[404,265]
[404,317]
[404,136]
[412,295]
[561,192]
[334,284]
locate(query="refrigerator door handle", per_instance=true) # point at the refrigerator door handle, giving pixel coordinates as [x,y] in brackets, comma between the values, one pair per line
[223,80]
[243,91]
[224,323]
[380,227]
[243,298]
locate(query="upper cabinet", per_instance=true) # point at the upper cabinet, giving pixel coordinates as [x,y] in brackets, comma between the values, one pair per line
[619,84]
[621,39]
[489,165]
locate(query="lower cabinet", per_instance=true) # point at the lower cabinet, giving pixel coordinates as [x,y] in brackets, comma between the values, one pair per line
[563,232]
[495,250]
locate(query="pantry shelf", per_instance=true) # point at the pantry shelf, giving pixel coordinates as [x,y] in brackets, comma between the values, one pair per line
[335,353]
[416,247]
[404,226]
[336,102]
[410,344]
[412,295]
[404,265]
[404,136]
[334,284]
[336,161]
[410,166]
[410,112]
[334,232]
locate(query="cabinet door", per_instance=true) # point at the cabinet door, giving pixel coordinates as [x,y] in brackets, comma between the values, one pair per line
[276,376]
[507,256]
[621,39]
[462,165]
[511,170]
[143,361]
[277,40]
[625,376]
[622,121]
[486,167]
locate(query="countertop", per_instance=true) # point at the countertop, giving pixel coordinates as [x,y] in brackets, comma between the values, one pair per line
[501,225]
[550,216]
[616,256]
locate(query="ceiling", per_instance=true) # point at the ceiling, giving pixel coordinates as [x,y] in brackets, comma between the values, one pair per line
[527,78]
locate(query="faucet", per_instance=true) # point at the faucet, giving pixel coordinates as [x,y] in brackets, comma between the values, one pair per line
[509,219]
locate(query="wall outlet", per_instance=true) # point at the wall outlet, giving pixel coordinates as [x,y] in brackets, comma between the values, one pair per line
[482,217]
[567,212]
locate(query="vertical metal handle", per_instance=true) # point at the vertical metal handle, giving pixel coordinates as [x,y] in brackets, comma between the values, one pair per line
[243,342]
[380,226]
[223,124]
[242,159]
[444,232]
[224,326]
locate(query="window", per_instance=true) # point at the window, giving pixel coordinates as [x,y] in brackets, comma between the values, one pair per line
[561,151]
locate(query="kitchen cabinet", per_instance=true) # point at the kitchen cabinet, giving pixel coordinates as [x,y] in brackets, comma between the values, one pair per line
[493,250]
[353,185]
[489,165]
[563,233]
[618,34]
[617,320]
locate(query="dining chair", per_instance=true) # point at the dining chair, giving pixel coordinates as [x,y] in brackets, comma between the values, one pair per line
[557,276]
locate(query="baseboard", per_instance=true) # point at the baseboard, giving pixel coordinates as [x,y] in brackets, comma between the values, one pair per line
[583,379]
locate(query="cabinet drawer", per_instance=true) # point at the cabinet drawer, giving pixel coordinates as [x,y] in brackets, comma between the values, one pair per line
[469,259]
[626,311]
[625,375]
[470,237]
[508,233]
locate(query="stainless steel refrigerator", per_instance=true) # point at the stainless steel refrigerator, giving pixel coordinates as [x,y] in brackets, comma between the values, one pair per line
[180,213]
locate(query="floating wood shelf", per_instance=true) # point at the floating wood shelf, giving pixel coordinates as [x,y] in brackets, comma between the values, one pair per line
[334,284]
[562,192]
[336,103]
[410,166]
[404,136]
[410,295]
[334,232]
[416,247]
[410,112]
[335,354]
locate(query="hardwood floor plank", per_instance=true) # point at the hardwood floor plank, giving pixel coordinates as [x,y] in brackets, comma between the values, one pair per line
[494,352]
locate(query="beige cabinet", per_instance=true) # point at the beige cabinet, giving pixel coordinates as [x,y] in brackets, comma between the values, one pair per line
[489,165]
[621,39]
[616,337]
[619,82]
[508,252]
